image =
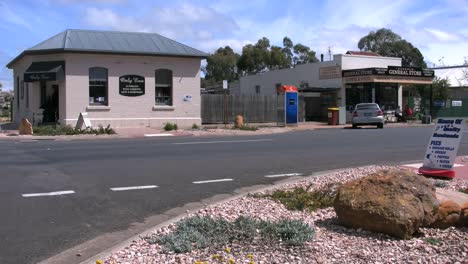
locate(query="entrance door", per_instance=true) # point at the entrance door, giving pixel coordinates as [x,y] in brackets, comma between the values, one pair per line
[50,104]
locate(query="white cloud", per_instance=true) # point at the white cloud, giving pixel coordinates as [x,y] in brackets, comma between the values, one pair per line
[11,17]
[106,18]
[91,1]
[441,35]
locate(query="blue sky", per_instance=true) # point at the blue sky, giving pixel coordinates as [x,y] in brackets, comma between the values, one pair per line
[438,28]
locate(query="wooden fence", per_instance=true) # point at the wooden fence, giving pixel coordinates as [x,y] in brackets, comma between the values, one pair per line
[223,108]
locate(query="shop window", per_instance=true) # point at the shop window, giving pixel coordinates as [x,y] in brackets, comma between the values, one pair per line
[17,95]
[43,88]
[27,94]
[22,89]
[98,85]
[163,87]
[257,89]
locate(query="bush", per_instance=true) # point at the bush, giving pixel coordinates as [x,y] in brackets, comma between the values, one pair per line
[440,184]
[464,190]
[201,232]
[302,199]
[170,126]
[68,130]
[195,126]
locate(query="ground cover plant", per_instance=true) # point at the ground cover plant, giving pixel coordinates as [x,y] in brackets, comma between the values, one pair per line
[52,130]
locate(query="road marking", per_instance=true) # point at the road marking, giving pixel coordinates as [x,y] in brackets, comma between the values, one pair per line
[210,181]
[223,141]
[48,194]
[418,165]
[159,135]
[117,189]
[283,175]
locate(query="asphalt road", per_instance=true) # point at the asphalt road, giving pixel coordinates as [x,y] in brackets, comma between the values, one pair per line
[35,228]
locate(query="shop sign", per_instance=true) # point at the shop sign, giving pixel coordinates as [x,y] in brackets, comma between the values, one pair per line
[390,71]
[35,77]
[457,103]
[131,85]
[443,144]
[439,103]
[329,72]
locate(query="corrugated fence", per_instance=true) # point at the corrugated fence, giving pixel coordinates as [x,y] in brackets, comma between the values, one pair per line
[220,108]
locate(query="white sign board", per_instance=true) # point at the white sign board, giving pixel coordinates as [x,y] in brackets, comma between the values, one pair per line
[225,84]
[83,120]
[443,145]
[456,103]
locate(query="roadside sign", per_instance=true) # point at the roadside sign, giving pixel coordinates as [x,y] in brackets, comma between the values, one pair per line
[225,84]
[443,144]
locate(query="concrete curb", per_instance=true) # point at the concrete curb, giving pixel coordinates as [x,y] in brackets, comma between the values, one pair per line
[154,222]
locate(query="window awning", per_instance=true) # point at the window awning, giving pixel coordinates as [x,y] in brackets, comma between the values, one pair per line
[45,71]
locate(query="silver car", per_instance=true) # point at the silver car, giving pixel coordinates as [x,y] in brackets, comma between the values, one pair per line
[368,114]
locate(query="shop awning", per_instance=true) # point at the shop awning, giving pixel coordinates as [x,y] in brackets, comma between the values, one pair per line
[45,71]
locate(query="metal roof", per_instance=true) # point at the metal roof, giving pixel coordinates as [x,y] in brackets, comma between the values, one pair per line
[113,42]
[455,74]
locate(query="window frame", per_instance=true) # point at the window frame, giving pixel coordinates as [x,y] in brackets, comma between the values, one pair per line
[106,88]
[164,85]
[257,89]
[17,92]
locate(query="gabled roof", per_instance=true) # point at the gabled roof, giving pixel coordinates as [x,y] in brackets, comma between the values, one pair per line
[112,42]
[363,53]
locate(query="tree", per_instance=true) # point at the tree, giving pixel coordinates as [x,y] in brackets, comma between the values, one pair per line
[222,65]
[440,89]
[387,43]
[287,51]
[303,54]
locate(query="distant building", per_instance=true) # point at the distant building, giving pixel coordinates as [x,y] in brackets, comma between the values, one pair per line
[348,79]
[122,79]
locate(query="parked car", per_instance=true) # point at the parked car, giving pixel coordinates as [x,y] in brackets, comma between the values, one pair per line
[368,114]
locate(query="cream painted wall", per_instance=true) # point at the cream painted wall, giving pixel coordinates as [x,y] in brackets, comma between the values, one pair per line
[123,111]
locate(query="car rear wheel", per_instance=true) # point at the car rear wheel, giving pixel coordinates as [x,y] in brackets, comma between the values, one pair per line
[380,125]
[354,126]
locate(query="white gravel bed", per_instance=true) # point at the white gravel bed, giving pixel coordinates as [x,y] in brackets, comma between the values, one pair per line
[331,244]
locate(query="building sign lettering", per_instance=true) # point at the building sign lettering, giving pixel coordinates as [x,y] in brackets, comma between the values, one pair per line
[131,85]
[329,72]
[390,71]
[35,77]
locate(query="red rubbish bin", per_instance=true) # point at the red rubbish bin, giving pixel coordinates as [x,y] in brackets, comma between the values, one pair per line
[333,114]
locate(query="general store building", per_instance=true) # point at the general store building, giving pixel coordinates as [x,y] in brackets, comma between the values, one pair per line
[122,79]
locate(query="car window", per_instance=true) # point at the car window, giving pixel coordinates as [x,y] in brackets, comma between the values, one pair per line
[367,107]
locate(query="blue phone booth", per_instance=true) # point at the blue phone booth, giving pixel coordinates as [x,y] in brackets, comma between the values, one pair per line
[291,103]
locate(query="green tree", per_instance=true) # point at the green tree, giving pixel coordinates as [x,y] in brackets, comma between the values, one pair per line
[440,89]
[222,65]
[303,54]
[287,51]
[387,43]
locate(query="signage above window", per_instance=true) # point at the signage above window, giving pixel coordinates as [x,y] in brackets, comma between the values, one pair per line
[131,85]
[390,71]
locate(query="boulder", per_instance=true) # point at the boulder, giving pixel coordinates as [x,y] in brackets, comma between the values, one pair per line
[25,128]
[239,122]
[448,214]
[464,215]
[394,202]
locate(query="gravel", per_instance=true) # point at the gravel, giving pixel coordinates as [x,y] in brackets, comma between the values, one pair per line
[331,244]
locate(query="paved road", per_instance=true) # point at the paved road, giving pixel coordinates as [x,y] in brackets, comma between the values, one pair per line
[37,227]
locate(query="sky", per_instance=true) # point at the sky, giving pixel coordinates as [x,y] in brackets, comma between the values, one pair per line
[438,28]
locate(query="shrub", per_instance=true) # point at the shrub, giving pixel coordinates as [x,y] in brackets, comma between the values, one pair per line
[195,126]
[201,232]
[464,190]
[170,126]
[433,241]
[440,184]
[52,130]
[302,199]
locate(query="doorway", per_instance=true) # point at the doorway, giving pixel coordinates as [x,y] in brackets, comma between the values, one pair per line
[50,103]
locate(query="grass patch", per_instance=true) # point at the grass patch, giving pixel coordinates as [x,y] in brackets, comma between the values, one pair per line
[433,241]
[202,232]
[302,199]
[170,126]
[68,130]
[195,126]
[465,190]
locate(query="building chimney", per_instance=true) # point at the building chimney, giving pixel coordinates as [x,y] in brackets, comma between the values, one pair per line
[321,57]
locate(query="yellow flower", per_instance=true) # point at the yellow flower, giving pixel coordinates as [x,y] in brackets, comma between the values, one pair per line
[216,256]
[250,256]
[98,261]
[228,250]
[251,262]
[198,262]
[231,261]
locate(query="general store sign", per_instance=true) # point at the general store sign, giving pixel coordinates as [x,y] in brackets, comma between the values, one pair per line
[131,85]
[443,145]
[390,71]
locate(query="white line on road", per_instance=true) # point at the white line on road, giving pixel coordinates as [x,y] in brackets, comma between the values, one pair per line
[159,135]
[223,141]
[283,175]
[117,189]
[48,194]
[210,181]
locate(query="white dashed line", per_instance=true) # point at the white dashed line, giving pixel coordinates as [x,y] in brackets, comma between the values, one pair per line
[159,135]
[283,175]
[117,189]
[224,141]
[210,181]
[48,194]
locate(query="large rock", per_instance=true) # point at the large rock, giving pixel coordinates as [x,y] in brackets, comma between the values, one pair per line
[394,202]
[448,214]
[25,127]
